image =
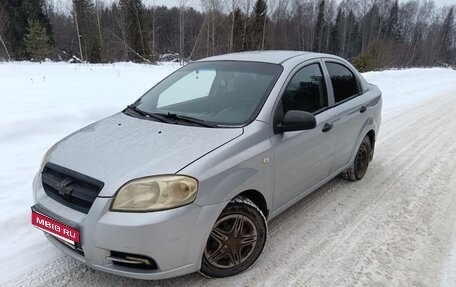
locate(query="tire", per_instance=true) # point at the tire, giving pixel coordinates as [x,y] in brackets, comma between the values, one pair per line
[358,168]
[236,240]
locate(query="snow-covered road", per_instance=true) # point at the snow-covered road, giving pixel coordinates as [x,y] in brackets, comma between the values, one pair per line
[396,227]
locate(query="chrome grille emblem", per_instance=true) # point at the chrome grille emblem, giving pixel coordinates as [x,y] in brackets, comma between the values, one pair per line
[64,186]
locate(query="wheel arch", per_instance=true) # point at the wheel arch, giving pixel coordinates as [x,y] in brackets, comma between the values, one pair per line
[258,198]
[371,135]
[369,131]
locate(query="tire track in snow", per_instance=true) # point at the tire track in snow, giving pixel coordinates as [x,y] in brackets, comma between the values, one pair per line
[355,212]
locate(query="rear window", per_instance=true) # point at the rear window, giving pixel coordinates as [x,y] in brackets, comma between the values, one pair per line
[343,81]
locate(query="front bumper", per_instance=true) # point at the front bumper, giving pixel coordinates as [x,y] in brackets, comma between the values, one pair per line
[174,239]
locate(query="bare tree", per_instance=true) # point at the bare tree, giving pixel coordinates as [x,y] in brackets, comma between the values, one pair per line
[247,7]
[97,10]
[182,7]
[75,15]
[3,23]
[154,28]
[130,48]
[375,33]
[231,6]
[120,20]
[212,10]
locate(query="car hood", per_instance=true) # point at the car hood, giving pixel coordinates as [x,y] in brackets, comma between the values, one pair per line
[121,148]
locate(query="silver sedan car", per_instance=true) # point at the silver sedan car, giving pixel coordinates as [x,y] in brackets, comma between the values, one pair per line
[186,178]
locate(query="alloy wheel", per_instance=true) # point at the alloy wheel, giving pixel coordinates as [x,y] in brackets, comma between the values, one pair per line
[231,242]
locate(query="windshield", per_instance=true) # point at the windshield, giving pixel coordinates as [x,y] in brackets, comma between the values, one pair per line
[225,93]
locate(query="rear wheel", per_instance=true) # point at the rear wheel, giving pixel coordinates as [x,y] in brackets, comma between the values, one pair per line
[236,240]
[359,166]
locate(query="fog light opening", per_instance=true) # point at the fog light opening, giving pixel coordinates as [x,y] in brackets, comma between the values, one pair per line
[132,260]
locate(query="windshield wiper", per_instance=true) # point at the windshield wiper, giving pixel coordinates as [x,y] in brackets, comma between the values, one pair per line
[186,119]
[146,114]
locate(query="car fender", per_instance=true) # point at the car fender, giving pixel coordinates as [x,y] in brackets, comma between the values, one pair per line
[372,123]
[242,164]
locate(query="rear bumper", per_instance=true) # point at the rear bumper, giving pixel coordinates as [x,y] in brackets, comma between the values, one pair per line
[174,239]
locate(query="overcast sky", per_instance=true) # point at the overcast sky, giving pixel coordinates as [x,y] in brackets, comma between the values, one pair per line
[65,4]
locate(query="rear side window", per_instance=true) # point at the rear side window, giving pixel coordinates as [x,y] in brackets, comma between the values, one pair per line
[343,81]
[306,91]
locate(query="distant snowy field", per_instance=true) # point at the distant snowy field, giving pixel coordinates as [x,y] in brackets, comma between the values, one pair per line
[41,103]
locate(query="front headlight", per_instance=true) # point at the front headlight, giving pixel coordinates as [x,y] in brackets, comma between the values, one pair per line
[156,193]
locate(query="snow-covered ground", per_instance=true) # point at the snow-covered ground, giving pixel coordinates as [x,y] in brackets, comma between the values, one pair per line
[40,104]
[396,227]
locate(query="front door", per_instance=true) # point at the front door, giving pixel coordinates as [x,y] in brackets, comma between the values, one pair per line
[302,159]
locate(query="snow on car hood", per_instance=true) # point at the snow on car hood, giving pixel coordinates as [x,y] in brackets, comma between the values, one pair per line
[121,148]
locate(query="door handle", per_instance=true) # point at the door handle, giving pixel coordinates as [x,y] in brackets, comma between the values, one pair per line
[327,127]
[363,109]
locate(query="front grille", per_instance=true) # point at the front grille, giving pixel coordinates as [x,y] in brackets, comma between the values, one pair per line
[70,188]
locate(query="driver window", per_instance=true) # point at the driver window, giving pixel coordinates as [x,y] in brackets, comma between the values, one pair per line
[306,91]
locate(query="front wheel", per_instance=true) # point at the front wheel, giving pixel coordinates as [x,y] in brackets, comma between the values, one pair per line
[236,240]
[359,166]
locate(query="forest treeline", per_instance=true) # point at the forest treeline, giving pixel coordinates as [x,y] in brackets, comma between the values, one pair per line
[373,34]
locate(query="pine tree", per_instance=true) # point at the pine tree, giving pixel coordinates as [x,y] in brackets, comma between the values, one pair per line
[259,25]
[354,44]
[18,13]
[85,17]
[239,19]
[392,30]
[446,36]
[136,29]
[370,27]
[37,41]
[37,10]
[335,40]
[317,43]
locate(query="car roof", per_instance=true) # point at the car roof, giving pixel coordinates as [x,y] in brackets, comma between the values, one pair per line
[286,58]
[271,56]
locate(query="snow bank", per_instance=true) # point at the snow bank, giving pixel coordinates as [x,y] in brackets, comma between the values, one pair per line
[410,86]
[40,104]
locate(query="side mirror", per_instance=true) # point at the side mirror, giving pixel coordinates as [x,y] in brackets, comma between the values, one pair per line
[297,121]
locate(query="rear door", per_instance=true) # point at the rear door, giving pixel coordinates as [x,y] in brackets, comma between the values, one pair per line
[349,110]
[302,159]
